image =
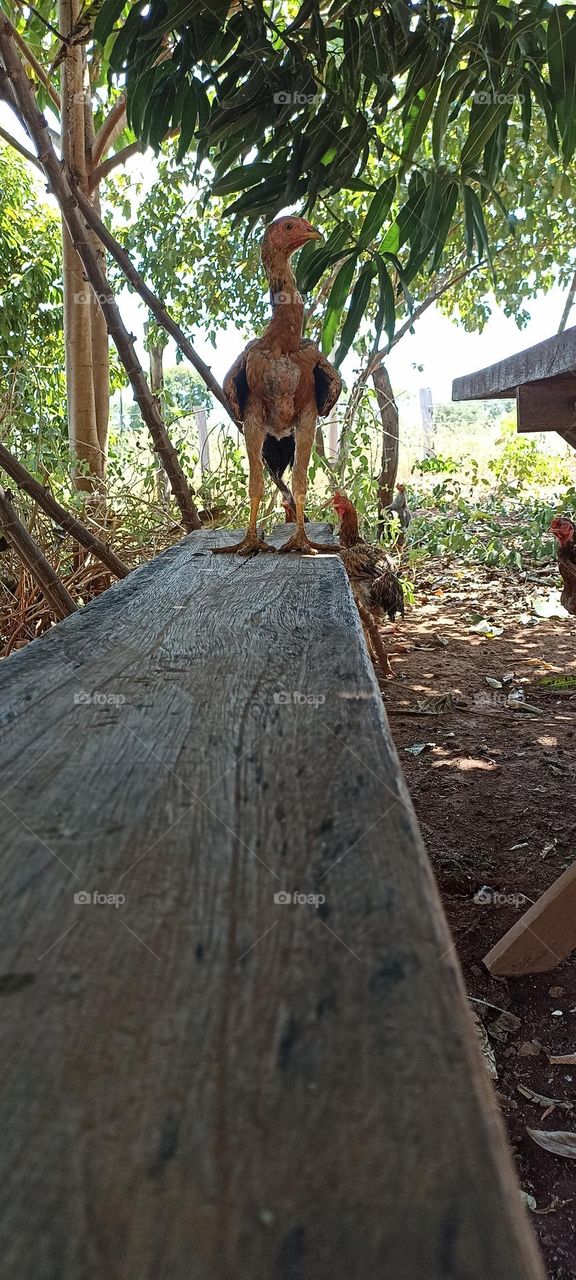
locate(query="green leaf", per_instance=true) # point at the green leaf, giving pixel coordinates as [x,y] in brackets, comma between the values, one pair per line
[378,208]
[450,90]
[358,304]
[416,122]
[484,119]
[335,305]
[386,313]
[187,122]
[562,68]
[107,18]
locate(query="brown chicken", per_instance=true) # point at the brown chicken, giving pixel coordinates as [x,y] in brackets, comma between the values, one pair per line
[279,386]
[377,590]
[564,531]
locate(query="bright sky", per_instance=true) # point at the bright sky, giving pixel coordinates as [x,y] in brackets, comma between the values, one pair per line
[444,350]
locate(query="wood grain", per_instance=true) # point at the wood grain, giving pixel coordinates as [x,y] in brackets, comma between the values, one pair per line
[557,355]
[543,936]
[200,1083]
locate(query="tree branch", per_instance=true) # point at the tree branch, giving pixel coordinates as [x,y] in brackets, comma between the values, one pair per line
[125,343]
[103,170]
[28,155]
[60,515]
[115,120]
[34,560]
[35,65]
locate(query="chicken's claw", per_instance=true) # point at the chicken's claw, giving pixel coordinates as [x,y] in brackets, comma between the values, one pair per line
[301,542]
[250,545]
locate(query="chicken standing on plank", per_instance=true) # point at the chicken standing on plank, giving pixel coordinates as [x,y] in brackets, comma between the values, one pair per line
[376,588]
[564,531]
[279,386]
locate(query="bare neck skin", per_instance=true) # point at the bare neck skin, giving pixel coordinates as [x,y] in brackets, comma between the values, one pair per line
[284,330]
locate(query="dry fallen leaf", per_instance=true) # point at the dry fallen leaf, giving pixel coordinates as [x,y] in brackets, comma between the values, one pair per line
[503,1027]
[542,1100]
[419,747]
[560,1141]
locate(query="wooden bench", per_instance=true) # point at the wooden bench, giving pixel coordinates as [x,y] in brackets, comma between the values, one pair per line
[201,1082]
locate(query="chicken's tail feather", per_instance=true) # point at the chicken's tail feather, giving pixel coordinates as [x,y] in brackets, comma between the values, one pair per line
[278,452]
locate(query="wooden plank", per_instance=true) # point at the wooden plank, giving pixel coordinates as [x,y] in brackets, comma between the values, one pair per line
[200,1083]
[544,935]
[548,404]
[556,355]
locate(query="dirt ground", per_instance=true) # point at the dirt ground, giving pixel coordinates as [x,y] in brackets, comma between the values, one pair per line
[494,791]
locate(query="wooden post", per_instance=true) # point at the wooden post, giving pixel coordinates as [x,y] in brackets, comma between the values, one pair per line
[57,597]
[204,447]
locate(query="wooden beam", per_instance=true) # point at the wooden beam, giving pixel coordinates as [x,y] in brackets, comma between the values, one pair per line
[544,935]
[231,1086]
[548,404]
[556,355]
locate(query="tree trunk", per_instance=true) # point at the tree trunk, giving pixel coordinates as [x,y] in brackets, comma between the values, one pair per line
[100,346]
[390,437]
[78,299]
[156,354]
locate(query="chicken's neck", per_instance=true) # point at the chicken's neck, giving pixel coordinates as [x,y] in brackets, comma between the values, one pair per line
[348,533]
[284,330]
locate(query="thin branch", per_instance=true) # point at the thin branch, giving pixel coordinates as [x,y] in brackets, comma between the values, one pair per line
[96,176]
[28,155]
[63,518]
[35,65]
[34,560]
[569,304]
[65,194]
[104,137]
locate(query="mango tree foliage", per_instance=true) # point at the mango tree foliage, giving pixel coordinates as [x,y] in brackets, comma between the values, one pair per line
[32,399]
[294,102]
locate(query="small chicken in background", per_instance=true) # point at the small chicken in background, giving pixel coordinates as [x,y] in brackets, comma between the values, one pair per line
[377,590]
[564,531]
[398,507]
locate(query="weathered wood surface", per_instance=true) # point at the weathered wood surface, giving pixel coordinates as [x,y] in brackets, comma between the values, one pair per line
[556,355]
[544,935]
[548,405]
[199,1083]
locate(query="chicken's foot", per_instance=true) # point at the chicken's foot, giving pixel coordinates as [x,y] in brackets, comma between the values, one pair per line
[250,545]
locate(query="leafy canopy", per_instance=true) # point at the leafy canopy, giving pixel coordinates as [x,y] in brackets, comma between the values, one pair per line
[295,102]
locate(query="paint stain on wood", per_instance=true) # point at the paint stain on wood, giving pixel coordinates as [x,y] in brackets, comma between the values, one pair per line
[291,1255]
[10,983]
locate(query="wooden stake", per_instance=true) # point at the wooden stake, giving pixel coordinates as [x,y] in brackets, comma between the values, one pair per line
[56,595]
[59,514]
[544,935]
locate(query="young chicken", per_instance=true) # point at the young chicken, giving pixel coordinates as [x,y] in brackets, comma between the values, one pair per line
[377,590]
[564,531]
[279,385]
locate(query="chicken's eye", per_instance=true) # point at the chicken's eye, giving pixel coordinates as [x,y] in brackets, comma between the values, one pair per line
[288,226]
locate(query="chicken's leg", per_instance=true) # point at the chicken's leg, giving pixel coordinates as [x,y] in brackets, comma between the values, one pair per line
[252,542]
[304,431]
